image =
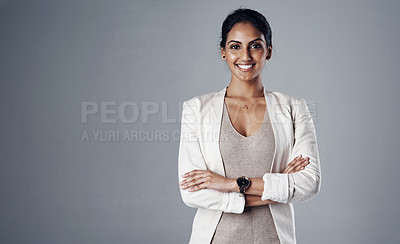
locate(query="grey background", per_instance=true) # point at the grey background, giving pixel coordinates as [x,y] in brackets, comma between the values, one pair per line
[341,56]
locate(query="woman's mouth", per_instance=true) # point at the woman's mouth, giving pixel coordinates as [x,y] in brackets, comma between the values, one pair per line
[245,67]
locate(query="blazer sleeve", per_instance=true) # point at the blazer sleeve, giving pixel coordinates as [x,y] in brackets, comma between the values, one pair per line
[303,185]
[190,158]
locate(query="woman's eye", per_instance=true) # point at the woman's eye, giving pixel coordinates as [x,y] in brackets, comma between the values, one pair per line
[235,47]
[256,46]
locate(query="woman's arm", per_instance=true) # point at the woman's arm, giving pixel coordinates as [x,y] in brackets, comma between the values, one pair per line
[304,185]
[253,201]
[191,158]
[256,187]
[257,184]
[205,179]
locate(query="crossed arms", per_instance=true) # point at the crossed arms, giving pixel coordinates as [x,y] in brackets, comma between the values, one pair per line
[202,188]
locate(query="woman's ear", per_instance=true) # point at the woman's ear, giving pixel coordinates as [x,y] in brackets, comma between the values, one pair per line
[223,53]
[269,52]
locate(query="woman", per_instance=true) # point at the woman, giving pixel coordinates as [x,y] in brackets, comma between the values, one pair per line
[246,154]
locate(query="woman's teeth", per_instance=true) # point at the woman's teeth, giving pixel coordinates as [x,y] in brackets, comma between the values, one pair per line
[245,67]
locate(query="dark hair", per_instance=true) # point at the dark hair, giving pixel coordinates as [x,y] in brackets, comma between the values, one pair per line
[246,15]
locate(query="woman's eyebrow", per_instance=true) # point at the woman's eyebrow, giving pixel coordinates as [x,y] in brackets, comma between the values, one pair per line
[258,39]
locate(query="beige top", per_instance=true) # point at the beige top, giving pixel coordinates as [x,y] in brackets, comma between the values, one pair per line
[252,157]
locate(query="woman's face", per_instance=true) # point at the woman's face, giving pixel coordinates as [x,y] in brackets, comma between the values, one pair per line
[245,51]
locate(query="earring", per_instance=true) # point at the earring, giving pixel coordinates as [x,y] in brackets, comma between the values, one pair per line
[223,56]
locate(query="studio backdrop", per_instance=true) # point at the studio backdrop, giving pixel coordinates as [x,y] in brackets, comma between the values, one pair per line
[91,97]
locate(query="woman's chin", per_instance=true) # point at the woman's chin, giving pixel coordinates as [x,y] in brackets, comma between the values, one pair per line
[247,78]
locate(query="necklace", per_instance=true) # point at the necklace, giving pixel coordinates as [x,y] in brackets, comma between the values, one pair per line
[245,107]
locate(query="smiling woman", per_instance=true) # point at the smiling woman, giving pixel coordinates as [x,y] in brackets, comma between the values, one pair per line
[245,180]
[244,55]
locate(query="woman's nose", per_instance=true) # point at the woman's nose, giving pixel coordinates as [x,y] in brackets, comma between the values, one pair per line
[245,55]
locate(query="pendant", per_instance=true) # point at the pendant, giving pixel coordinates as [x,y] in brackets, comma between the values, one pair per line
[245,107]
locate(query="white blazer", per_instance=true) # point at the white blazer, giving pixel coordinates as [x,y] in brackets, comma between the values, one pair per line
[294,133]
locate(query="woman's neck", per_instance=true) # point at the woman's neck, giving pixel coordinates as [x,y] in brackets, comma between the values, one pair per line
[245,89]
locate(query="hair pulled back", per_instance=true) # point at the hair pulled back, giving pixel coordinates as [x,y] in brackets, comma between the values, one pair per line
[246,15]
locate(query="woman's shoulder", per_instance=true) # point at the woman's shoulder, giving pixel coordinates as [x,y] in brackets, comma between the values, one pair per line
[294,104]
[285,98]
[203,100]
[201,97]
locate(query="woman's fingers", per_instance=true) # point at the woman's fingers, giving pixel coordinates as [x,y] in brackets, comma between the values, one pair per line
[296,165]
[201,179]
[195,180]
[198,187]
[292,164]
[302,165]
[194,174]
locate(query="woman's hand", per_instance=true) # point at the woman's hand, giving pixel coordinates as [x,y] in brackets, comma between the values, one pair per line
[297,164]
[202,179]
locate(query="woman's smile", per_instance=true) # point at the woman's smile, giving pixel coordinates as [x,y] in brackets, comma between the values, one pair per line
[245,67]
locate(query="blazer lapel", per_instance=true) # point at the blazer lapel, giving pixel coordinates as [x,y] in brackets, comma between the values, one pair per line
[213,129]
[270,102]
[282,128]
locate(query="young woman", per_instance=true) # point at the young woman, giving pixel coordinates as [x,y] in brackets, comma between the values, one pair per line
[246,154]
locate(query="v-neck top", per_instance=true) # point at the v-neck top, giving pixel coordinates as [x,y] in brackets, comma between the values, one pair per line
[229,121]
[252,157]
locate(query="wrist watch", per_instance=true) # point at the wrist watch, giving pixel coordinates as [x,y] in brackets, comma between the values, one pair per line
[243,183]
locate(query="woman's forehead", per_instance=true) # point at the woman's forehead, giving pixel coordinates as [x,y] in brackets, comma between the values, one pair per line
[244,32]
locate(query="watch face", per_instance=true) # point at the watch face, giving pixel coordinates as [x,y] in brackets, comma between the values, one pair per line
[243,181]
